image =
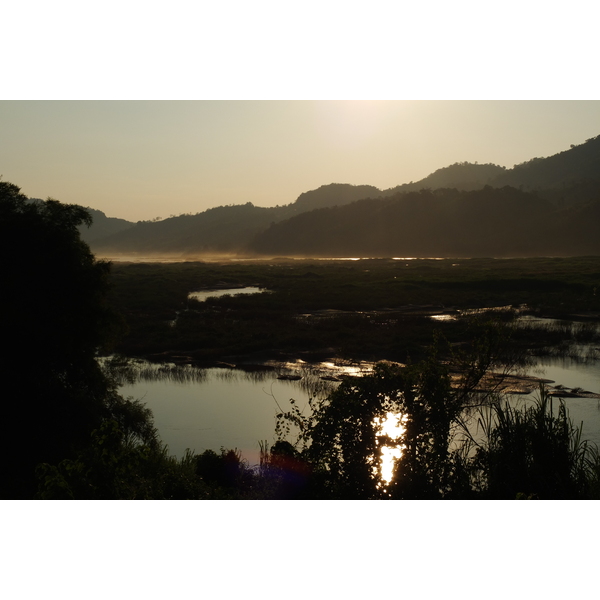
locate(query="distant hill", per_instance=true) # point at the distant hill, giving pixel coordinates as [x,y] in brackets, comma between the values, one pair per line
[428,223]
[567,178]
[545,205]
[224,229]
[462,176]
[581,163]
[334,194]
[102,226]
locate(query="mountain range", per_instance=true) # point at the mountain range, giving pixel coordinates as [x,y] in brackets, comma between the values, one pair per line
[545,206]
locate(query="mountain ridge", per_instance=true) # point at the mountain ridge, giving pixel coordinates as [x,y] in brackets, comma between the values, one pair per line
[563,181]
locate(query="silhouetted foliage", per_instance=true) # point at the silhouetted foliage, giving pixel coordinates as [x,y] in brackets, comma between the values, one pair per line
[285,474]
[53,319]
[526,452]
[342,438]
[532,452]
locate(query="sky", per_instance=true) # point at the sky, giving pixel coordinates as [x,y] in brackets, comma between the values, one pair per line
[139,160]
[145,114]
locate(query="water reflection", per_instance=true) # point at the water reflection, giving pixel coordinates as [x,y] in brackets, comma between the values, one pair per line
[390,430]
[574,381]
[202,295]
[454,314]
[235,406]
[131,370]
[218,407]
[569,374]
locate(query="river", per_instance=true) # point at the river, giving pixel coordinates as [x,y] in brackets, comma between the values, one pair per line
[212,408]
[220,407]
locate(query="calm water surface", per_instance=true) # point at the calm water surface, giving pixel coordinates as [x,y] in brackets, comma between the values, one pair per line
[235,409]
[571,373]
[224,407]
[204,294]
[204,409]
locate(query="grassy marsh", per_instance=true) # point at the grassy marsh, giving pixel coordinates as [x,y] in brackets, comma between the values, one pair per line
[368,309]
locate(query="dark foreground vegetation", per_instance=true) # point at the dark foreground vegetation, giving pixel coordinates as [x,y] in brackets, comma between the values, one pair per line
[531,453]
[78,438]
[54,320]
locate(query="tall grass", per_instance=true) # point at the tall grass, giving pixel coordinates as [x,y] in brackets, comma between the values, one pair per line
[531,452]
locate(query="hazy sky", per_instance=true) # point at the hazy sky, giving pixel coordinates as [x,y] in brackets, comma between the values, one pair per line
[142,159]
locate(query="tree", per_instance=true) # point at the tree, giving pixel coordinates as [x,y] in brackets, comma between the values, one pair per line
[412,412]
[53,321]
[345,442]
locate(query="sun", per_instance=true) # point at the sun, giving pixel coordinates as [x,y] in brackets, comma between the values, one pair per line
[350,123]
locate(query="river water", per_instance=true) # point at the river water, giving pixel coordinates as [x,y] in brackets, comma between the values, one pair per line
[204,294]
[204,409]
[573,373]
[222,407]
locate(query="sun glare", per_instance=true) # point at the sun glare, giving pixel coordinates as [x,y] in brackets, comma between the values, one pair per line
[350,122]
[390,426]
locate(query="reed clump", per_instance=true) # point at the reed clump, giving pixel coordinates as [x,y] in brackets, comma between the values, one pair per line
[533,451]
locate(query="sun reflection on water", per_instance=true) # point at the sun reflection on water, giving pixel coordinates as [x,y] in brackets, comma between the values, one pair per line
[391,427]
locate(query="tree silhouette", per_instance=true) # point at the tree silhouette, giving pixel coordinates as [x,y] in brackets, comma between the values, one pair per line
[53,321]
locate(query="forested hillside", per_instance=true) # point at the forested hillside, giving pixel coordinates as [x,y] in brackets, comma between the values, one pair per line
[334,194]
[433,223]
[462,176]
[580,163]
[543,206]
[223,229]
[102,226]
